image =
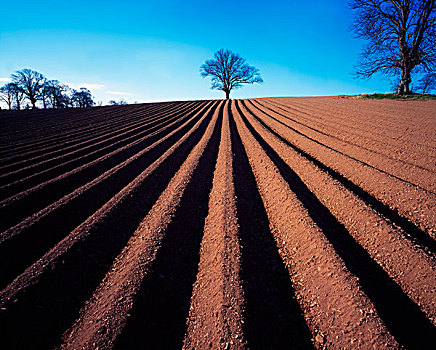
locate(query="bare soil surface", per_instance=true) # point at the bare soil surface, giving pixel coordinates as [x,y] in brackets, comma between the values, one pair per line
[268,223]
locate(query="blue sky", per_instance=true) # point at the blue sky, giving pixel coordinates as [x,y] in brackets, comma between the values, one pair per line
[152,50]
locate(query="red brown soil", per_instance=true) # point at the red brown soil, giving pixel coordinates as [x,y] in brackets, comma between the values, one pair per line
[265,223]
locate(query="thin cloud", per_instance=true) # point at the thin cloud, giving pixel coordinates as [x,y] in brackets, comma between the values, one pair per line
[119,93]
[5,79]
[89,86]
[92,86]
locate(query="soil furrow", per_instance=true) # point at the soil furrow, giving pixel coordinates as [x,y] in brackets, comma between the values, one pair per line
[91,121]
[335,307]
[250,224]
[420,178]
[343,119]
[58,219]
[386,117]
[379,112]
[410,230]
[45,300]
[41,151]
[355,142]
[217,299]
[395,200]
[164,296]
[409,268]
[45,155]
[24,146]
[64,165]
[46,152]
[115,297]
[273,318]
[28,202]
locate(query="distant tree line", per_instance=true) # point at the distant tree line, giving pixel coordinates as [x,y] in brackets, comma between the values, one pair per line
[117,103]
[31,89]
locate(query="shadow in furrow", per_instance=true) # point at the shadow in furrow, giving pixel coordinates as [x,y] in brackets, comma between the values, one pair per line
[404,319]
[273,318]
[25,206]
[23,249]
[158,317]
[43,311]
[412,231]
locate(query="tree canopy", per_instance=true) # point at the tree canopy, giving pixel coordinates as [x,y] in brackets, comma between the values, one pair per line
[31,82]
[82,98]
[229,71]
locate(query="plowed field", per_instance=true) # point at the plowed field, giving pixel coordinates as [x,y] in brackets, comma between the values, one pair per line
[264,223]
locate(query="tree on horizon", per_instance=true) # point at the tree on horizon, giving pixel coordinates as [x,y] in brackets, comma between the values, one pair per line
[31,82]
[82,98]
[229,71]
[7,94]
[121,102]
[400,35]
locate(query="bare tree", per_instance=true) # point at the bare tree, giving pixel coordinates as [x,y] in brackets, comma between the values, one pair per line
[229,71]
[12,94]
[51,91]
[7,94]
[31,83]
[82,98]
[401,38]
[427,82]
[62,98]
[18,96]
[44,93]
[56,94]
[67,99]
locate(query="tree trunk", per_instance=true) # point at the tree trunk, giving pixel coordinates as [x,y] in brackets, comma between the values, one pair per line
[33,101]
[17,100]
[403,86]
[227,94]
[424,88]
